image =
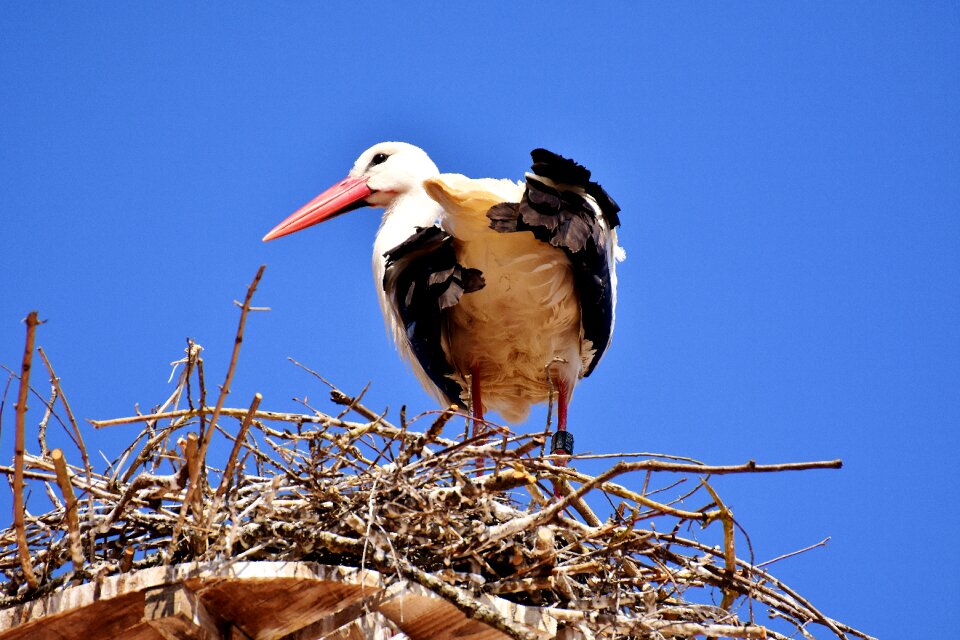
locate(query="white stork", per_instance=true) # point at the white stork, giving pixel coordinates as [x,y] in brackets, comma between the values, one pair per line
[495,292]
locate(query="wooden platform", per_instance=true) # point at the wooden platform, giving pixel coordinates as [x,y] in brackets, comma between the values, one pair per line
[255,601]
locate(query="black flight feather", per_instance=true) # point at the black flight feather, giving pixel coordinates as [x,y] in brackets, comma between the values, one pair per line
[560,216]
[566,171]
[426,279]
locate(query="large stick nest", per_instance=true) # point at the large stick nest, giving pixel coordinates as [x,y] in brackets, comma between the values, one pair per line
[459,515]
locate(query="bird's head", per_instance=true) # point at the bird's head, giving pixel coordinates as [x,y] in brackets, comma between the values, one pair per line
[381,174]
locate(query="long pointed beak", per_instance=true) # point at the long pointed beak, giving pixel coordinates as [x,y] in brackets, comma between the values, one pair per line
[346,195]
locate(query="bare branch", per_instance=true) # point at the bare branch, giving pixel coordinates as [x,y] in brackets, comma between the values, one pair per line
[19,448]
[70,506]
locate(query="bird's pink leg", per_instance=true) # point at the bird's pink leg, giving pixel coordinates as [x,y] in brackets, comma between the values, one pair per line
[562,439]
[562,443]
[475,400]
[477,409]
[563,397]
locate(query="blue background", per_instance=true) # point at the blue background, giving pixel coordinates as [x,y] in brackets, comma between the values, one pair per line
[790,189]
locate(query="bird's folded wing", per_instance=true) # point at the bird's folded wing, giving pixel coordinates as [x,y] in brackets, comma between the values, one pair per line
[424,279]
[563,207]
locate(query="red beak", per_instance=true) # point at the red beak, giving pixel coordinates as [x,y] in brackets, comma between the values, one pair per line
[346,195]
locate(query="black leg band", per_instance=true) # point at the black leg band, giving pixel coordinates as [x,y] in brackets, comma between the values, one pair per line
[562,442]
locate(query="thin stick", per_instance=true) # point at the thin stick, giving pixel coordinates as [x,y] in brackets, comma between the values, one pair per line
[237,444]
[231,413]
[201,382]
[55,381]
[748,467]
[729,551]
[416,447]
[23,548]
[78,438]
[224,391]
[623,492]
[822,543]
[42,429]
[33,475]
[193,468]
[70,504]
[232,460]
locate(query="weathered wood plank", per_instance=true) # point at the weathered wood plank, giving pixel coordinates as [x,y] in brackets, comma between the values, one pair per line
[177,613]
[236,633]
[112,617]
[352,611]
[372,626]
[253,601]
[428,616]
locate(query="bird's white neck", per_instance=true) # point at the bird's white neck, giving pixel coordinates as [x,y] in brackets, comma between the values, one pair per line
[400,221]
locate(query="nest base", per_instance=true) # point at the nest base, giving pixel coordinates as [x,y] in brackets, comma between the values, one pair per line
[246,600]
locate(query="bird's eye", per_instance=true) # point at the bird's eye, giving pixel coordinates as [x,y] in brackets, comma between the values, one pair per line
[380,158]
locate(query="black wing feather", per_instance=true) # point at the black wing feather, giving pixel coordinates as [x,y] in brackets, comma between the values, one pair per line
[564,170]
[562,217]
[426,280]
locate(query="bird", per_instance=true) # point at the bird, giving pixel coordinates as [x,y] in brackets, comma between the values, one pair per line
[499,294]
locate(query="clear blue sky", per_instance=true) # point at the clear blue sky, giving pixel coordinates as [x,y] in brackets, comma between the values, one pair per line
[789,180]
